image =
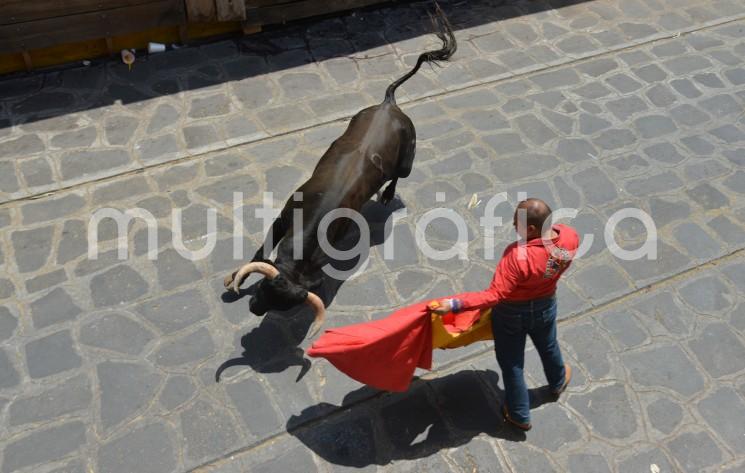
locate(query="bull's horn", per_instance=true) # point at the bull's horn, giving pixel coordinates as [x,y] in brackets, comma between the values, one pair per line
[319,309]
[266,269]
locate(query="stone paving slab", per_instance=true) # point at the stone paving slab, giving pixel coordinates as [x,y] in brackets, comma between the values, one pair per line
[128,349]
[83,124]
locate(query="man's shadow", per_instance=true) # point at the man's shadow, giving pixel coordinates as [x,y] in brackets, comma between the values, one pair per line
[432,415]
[273,346]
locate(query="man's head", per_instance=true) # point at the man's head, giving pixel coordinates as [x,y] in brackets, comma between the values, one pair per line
[530,217]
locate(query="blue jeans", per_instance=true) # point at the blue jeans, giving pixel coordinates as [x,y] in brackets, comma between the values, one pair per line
[511,322]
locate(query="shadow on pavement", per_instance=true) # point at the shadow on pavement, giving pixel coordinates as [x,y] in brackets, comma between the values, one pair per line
[42,95]
[442,413]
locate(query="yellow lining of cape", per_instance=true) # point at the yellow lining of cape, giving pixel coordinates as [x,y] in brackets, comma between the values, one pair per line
[479,331]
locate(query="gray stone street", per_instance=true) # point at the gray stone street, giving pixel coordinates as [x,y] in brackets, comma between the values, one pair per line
[108,365]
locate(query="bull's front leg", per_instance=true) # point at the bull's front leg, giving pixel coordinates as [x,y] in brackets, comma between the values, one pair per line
[404,164]
[277,232]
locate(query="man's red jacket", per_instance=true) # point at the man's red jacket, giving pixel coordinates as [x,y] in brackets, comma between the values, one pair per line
[526,271]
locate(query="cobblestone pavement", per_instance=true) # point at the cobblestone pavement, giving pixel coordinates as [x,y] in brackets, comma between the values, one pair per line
[108,365]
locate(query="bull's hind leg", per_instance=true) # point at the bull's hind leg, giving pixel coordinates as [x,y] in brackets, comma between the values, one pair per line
[389,192]
[403,167]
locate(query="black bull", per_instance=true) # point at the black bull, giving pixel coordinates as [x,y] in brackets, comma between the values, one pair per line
[378,146]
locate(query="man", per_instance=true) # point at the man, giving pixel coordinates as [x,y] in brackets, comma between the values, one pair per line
[522,296]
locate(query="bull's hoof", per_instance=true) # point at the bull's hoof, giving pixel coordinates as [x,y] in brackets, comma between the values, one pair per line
[386,197]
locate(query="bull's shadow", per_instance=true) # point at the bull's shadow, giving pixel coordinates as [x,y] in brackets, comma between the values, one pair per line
[273,346]
[439,414]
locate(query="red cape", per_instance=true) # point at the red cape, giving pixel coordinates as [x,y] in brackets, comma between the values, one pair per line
[384,353]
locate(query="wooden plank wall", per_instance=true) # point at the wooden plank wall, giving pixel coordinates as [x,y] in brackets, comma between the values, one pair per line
[95,48]
[215,10]
[19,11]
[272,12]
[231,10]
[126,16]
[201,10]
[37,33]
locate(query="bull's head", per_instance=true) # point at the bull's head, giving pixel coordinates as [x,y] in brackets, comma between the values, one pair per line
[275,292]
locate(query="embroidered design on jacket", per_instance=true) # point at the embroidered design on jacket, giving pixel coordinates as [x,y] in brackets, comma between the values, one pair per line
[557,262]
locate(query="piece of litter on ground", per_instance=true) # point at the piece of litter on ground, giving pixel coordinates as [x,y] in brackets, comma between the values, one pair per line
[128,58]
[86,63]
[592,156]
[677,35]
[153,48]
[654,468]
[473,202]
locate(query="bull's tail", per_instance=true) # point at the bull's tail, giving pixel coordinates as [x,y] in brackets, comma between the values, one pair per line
[449,45]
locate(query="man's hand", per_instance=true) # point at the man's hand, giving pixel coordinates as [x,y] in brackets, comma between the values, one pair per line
[440,307]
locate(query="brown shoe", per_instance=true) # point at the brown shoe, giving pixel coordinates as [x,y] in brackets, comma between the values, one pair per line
[506,414]
[567,379]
